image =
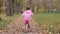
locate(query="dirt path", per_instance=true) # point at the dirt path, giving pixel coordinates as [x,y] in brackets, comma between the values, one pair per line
[17,27]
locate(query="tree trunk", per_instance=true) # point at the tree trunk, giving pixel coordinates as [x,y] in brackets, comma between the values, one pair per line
[31,5]
[21,5]
[0,8]
[0,19]
[0,5]
[8,8]
[12,7]
[38,5]
[17,8]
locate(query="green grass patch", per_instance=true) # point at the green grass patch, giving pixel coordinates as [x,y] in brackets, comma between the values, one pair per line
[7,20]
[49,21]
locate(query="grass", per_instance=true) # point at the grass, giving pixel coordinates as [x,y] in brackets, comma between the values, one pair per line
[49,21]
[6,20]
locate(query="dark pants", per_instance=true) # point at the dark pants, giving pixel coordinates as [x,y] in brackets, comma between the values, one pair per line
[27,22]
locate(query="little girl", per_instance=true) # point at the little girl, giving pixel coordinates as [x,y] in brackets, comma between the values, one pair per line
[27,14]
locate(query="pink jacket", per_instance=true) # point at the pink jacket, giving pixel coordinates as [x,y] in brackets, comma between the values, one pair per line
[27,14]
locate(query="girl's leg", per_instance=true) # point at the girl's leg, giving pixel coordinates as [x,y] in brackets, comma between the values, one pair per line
[27,22]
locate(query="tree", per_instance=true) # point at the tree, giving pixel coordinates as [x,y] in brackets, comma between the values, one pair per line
[17,5]
[58,5]
[31,5]
[49,5]
[8,8]
[55,5]
[0,8]
[0,5]
[38,5]
[12,7]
